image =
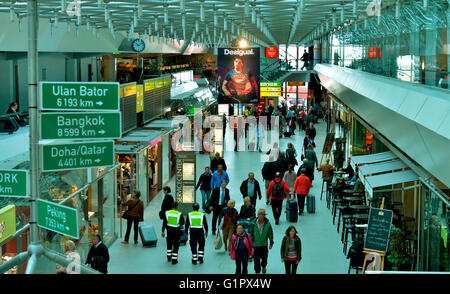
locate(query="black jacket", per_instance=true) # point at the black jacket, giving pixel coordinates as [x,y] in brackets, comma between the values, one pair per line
[309,171]
[311,132]
[215,163]
[215,197]
[188,224]
[244,189]
[247,212]
[166,205]
[204,182]
[349,170]
[282,165]
[98,258]
[268,171]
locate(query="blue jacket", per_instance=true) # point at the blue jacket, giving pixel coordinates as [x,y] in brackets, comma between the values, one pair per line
[216,180]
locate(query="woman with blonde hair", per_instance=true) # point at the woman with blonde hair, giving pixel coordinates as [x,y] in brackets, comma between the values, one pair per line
[230,218]
[74,266]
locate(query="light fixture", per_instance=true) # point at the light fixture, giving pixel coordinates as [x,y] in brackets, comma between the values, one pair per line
[202,11]
[243,43]
[166,13]
[156,24]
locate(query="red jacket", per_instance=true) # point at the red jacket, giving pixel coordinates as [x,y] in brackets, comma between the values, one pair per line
[302,185]
[272,185]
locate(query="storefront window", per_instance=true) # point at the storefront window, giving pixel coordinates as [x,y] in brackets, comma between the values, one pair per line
[109,207]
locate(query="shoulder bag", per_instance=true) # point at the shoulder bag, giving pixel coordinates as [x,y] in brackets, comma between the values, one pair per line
[125,214]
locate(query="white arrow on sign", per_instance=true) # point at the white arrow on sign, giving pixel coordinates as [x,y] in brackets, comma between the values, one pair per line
[99,103]
[97,160]
[67,228]
[101,132]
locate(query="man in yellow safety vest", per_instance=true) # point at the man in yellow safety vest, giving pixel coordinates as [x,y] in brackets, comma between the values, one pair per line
[172,222]
[196,220]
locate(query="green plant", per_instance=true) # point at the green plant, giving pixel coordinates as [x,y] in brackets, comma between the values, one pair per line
[398,255]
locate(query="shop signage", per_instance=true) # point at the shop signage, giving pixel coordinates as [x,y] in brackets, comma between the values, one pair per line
[77,155]
[272,52]
[57,218]
[149,85]
[7,222]
[270,94]
[270,84]
[81,125]
[14,183]
[140,98]
[292,84]
[159,83]
[79,96]
[129,90]
[270,89]
[378,230]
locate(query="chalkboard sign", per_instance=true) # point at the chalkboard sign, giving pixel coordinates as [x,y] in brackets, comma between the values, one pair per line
[329,140]
[378,230]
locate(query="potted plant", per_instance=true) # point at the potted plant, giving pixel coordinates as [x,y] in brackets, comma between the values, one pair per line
[398,256]
[338,153]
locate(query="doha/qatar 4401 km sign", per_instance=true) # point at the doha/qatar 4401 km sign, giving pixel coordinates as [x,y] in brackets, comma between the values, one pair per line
[77,155]
[80,125]
[79,96]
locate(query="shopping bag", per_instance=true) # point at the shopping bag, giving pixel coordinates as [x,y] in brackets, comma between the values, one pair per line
[218,243]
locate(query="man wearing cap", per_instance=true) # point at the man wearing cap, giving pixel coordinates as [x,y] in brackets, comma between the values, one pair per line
[196,220]
[172,222]
[261,231]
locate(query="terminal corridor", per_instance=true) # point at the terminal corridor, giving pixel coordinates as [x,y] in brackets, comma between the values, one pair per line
[321,245]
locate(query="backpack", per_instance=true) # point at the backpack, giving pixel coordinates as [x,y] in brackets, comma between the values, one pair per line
[277,190]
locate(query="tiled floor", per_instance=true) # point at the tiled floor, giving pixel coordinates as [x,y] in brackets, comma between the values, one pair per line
[321,245]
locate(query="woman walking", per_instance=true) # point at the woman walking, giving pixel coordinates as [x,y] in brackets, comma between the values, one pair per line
[241,249]
[71,254]
[135,214]
[291,250]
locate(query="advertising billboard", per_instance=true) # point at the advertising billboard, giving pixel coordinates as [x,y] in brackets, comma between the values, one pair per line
[239,75]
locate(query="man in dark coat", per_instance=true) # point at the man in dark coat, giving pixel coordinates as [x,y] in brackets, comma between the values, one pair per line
[219,200]
[282,163]
[255,191]
[268,172]
[98,256]
[216,161]
[167,202]
[311,131]
[308,168]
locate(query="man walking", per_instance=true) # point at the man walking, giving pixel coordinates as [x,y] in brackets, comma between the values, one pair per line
[276,191]
[219,200]
[98,256]
[218,176]
[261,231]
[305,59]
[216,161]
[172,222]
[301,188]
[250,187]
[196,220]
[311,131]
[204,182]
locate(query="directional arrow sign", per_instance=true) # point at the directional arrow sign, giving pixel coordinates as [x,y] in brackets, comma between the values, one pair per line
[79,96]
[58,218]
[77,155]
[14,183]
[81,125]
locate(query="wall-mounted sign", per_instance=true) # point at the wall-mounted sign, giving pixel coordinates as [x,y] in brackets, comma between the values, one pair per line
[270,94]
[140,98]
[297,84]
[149,85]
[185,180]
[129,90]
[272,52]
[7,222]
[271,84]
[79,96]
[14,183]
[373,52]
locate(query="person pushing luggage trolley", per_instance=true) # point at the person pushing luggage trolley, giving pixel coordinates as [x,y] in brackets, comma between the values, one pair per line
[172,222]
[196,220]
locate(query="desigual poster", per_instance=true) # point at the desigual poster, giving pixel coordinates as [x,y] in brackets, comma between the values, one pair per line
[239,75]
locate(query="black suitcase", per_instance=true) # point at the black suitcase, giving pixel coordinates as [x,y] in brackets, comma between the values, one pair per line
[287,134]
[311,204]
[291,211]
[148,235]
[183,236]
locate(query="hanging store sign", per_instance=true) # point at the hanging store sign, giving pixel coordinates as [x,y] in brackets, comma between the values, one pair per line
[79,96]
[272,52]
[129,90]
[270,94]
[79,125]
[270,89]
[14,183]
[57,218]
[57,157]
[239,75]
[7,222]
[271,84]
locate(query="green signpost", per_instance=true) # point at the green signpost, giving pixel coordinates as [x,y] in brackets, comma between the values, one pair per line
[270,84]
[81,125]
[58,218]
[102,96]
[14,183]
[77,155]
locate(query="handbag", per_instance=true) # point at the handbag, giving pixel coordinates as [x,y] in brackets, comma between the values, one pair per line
[125,214]
[218,242]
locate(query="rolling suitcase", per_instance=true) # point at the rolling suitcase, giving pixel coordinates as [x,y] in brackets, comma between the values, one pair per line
[291,211]
[148,235]
[183,236]
[311,204]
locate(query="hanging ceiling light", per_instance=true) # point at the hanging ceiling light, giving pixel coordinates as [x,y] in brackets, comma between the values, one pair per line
[135,21]
[202,11]
[166,13]
[354,8]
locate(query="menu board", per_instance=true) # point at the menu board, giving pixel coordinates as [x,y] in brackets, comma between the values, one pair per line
[378,230]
